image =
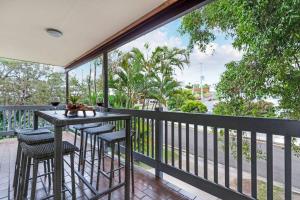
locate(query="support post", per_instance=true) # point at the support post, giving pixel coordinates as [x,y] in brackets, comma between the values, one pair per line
[158,144]
[67,87]
[105,80]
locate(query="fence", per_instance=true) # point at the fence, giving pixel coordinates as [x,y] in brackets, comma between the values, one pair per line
[15,117]
[164,140]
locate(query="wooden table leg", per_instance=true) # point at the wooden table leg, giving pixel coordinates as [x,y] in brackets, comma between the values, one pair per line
[127,160]
[58,159]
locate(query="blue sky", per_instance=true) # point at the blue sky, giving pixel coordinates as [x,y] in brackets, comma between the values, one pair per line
[213,60]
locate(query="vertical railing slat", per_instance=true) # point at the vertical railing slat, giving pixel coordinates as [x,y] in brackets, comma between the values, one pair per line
[143,135]
[269,166]
[205,152]
[152,137]
[139,135]
[216,174]
[9,120]
[196,149]
[172,144]
[29,119]
[15,119]
[253,165]
[4,119]
[180,145]
[148,140]
[135,132]
[187,132]
[287,168]
[226,157]
[166,141]
[239,161]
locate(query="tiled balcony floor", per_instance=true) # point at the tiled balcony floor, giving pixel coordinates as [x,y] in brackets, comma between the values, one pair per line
[147,187]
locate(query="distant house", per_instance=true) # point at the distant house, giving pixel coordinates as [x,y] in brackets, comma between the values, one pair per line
[197,89]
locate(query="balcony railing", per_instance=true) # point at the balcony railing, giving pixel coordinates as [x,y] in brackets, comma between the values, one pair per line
[197,148]
[19,117]
[169,142]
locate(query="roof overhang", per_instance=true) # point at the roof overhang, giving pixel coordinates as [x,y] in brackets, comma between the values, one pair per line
[88,27]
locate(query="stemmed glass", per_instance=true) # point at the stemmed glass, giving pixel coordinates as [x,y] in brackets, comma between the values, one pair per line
[55,102]
[100,105]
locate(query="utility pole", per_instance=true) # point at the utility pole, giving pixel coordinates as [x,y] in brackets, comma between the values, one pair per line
[201,80]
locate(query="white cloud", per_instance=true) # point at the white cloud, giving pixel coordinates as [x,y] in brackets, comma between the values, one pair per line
[154,39]
[213,62]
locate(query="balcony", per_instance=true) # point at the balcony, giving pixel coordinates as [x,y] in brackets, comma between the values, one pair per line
[195,149]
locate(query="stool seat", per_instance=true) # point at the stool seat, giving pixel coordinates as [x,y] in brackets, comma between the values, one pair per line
[46,150]
[85,126]
[30,131]
[36,139]
[113,136]
[101,129]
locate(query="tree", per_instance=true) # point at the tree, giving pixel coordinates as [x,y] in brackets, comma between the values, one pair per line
[29,83]
[193,106]
[178,97]
[257,109]
[140,75]
[268,34]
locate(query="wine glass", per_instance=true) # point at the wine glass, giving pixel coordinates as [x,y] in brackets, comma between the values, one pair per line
[100,105]
[55,102]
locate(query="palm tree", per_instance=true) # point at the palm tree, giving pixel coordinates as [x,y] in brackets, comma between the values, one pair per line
[142,75]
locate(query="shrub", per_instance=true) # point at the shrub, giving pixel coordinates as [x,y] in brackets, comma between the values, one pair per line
[193,106]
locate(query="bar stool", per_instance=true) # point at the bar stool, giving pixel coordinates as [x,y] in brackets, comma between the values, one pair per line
[81,128]
[94,133]
[31,137]
[37,154]
[112,139]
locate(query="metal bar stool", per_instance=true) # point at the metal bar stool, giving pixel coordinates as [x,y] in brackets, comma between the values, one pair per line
[37,154]
[112,139]
[80,128]
[31,137]
[94,133]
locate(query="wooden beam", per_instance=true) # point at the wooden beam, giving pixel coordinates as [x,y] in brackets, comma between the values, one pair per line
[163,14]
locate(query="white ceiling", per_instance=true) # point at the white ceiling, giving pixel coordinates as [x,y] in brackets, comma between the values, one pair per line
[84,23]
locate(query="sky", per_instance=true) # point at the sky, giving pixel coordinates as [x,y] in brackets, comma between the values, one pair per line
[213,61]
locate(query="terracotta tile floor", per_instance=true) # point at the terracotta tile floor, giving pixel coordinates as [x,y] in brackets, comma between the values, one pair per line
[147,187]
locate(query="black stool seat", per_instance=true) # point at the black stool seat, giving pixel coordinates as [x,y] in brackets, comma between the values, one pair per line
[85,126]
[36,139]
[101,129]
[30,131]
[113,136]
[46,150]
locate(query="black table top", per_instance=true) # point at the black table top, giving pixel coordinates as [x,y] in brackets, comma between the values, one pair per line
[59,119]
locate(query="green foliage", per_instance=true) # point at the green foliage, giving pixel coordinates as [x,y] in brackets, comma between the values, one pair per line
[178,97]
[135,75]
[268,34]
[242,108]
[29,83]
[193,106]
[87,82]
[74,99]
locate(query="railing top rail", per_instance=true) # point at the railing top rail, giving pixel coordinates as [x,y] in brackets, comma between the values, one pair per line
[262,125]
[27,107]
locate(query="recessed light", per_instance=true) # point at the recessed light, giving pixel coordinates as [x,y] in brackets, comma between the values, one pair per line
[54,32]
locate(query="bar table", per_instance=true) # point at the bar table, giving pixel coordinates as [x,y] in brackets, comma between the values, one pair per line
[59,121]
